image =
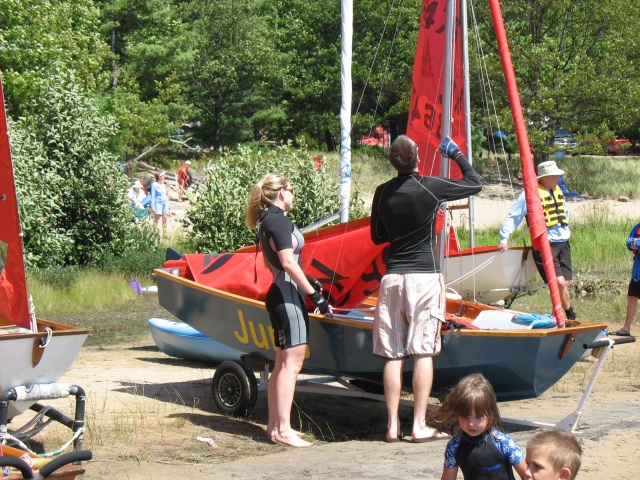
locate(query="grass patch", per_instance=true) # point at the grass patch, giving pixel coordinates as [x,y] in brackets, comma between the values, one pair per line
[91,291]
[602,177]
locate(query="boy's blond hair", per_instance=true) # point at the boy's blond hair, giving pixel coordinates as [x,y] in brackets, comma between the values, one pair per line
[561,448]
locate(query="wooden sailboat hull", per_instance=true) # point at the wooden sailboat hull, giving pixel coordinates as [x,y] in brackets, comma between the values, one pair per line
[519,363]
[502,276]
[25,363]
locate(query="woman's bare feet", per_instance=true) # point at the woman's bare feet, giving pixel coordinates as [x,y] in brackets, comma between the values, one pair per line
[290,439]
[270,432]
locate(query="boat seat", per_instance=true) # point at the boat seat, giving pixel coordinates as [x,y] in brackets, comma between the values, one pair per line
[499,320]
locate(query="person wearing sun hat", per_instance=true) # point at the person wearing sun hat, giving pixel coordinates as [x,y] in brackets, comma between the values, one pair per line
[136,194]
[556,216]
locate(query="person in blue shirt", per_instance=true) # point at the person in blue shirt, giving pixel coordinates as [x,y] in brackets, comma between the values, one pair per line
[633,244]
[478,447]
[556,217]
[159,202]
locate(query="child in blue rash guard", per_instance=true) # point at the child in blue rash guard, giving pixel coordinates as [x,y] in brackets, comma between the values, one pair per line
[478,447]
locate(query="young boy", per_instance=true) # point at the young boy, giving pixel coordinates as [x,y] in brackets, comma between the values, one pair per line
[553,455]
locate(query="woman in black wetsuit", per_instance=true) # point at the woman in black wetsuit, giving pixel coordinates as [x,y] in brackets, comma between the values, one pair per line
[281,244]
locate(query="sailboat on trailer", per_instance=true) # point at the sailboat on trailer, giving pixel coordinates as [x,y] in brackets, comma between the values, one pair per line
[215,294]
[35,352]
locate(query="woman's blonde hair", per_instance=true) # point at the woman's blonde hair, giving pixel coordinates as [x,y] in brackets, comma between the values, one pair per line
[472,395]
[263,194]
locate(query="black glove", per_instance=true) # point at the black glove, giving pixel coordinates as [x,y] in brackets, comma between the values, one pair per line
[315,283]
[320,302]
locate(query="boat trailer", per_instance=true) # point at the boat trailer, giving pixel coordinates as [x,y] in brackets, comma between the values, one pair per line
[235,387]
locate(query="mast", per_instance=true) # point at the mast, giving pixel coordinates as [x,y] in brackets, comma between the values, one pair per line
[345,109]
[467,109]
[446,106]
[537,225]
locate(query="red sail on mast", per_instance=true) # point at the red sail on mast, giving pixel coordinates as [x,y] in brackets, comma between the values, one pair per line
[425,111]
[14,305]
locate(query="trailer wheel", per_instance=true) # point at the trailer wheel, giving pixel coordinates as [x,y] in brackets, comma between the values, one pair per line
[231,388]
[253,386]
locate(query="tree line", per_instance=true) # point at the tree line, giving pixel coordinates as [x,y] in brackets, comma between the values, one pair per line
[90,83]
[270,69]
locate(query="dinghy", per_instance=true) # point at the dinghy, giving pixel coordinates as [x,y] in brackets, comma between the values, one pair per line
[177,339]
[216,294]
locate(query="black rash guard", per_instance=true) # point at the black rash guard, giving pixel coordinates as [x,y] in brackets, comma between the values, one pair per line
[403,213]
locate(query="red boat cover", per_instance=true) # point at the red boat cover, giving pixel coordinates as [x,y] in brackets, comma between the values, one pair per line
[343,258]
[425,114]
[14,305]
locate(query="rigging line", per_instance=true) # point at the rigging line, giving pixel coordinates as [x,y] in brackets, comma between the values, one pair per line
[486,87]
[375,56]
[386,68]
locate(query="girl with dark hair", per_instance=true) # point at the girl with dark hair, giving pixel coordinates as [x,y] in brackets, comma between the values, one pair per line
[478,447]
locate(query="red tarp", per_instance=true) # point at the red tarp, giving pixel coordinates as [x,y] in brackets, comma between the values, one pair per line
[14,305]
[425,114]
[343,258]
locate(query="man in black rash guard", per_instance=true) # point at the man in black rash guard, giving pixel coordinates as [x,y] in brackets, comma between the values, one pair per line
[411,300]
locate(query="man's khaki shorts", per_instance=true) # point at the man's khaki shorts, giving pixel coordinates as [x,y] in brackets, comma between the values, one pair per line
[408,315]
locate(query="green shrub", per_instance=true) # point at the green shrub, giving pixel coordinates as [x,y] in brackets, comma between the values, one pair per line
[71,192]
[133,263]
[58,277]
[215,222]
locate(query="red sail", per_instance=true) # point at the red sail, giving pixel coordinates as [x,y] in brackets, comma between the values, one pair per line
[14,305]
[343,258]
[425,114]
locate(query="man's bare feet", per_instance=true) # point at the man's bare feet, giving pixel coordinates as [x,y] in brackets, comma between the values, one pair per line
[426,434]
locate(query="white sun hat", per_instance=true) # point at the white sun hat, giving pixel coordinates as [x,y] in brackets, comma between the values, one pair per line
[549,168]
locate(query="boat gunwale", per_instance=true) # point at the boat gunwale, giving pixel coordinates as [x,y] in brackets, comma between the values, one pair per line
[356,322]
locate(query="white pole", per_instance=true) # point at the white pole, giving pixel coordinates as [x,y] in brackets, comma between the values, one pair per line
[345,109]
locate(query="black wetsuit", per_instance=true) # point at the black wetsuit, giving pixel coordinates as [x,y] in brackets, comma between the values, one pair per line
[284,302]
[403,213]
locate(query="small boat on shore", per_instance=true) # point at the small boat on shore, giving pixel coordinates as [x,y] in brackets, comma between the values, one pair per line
[177,339]
[36,351]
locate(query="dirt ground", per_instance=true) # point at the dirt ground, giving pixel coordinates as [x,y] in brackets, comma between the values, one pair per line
[150,416]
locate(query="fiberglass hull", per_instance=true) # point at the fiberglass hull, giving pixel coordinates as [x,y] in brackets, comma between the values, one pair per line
[519,363]
[29,364]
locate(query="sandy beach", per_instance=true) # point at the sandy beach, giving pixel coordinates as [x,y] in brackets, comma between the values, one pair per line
[150,416]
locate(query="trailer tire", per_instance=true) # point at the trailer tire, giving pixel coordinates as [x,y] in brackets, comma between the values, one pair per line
[231,389]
